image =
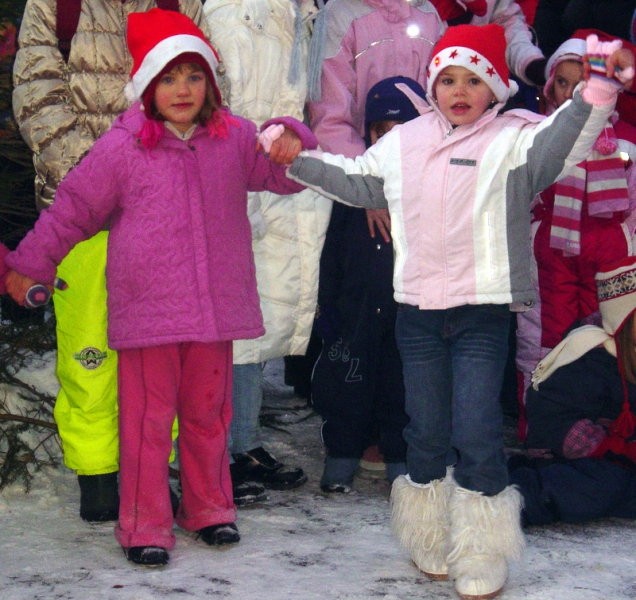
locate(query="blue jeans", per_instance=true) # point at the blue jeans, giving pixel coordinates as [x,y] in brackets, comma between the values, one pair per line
[247,398]
[453,362]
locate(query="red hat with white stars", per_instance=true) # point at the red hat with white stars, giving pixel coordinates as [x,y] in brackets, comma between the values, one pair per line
[478,48]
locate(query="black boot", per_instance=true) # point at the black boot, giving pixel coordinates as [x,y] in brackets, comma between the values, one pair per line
[220,535]
[149,556]
[99,497]
[260,466]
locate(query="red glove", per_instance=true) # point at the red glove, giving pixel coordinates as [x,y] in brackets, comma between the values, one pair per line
[616,445]
[18,286]
[450,9]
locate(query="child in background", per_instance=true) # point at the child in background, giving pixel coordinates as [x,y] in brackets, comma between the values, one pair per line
[582,415]
[171,179]
[357,381]
[454,180]
[68,80]
[579,225]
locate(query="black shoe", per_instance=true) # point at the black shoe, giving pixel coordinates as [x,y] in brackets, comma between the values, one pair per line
[149,556]
[260,466]
[248,492]
[220,535]
[336,488]
[99,497]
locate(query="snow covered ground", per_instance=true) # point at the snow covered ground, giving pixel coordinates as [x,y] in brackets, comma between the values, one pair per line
[300,545]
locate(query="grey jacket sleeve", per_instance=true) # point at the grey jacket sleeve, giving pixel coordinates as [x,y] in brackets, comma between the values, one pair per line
[364,191]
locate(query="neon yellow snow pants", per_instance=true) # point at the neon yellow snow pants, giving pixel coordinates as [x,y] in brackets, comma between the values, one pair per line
[86,406]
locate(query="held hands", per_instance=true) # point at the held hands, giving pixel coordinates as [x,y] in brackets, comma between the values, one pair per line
[281,144]
[610,61]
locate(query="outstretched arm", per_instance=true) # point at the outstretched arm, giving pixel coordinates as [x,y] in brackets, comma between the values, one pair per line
[334,182]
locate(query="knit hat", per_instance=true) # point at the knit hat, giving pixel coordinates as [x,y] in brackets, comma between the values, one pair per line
[156,38]
[616,289]
[478,48]
[572,49]
[386,102]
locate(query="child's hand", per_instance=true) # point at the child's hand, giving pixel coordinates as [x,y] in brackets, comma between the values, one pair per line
[379,220]
[609,60]
[621,65]
[282,145]
[18,285]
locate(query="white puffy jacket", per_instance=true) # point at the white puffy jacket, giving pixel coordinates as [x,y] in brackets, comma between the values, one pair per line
[264,44]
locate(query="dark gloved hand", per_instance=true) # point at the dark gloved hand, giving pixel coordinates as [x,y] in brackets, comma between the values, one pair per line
[535,72]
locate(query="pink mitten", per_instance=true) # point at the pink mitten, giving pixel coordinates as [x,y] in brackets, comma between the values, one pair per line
[269,135]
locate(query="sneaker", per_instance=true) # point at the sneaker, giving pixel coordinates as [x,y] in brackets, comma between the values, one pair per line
[99,497]
[220,535]
[336,488]
[260,466]
[247,493]
[149,556]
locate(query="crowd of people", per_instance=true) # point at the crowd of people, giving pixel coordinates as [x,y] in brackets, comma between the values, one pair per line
[402,184]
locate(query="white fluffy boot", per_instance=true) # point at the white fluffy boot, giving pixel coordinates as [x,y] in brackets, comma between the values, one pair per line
[485,532]
[419,517]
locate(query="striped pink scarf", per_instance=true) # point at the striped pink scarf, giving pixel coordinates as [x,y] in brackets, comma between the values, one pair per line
[599,183]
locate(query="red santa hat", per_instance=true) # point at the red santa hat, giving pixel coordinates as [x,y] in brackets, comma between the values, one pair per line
[478,48]
[156,38]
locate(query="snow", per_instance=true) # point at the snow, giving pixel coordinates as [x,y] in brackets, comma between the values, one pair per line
[299,545]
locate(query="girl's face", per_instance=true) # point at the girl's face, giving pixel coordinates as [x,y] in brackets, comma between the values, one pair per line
[461,95]
[567,75]
[180,95]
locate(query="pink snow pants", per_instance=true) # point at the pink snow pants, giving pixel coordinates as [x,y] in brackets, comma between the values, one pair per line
[192,381]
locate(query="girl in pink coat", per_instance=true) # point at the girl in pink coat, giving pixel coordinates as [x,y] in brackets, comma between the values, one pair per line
[170,180]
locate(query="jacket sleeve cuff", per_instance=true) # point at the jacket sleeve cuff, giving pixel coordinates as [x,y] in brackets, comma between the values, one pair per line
[307,138]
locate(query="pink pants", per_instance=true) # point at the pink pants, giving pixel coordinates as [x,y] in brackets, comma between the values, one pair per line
[194,382]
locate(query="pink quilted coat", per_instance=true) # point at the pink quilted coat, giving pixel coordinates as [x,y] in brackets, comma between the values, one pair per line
[180,264]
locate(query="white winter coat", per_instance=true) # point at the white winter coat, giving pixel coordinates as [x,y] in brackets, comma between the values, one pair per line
[257,40]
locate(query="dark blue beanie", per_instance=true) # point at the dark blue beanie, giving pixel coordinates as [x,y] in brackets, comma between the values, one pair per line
[385,102]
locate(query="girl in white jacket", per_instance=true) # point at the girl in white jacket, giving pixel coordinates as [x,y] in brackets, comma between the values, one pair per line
[458,181]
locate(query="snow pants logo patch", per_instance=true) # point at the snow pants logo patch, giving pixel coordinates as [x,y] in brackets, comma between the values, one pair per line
[90,358]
